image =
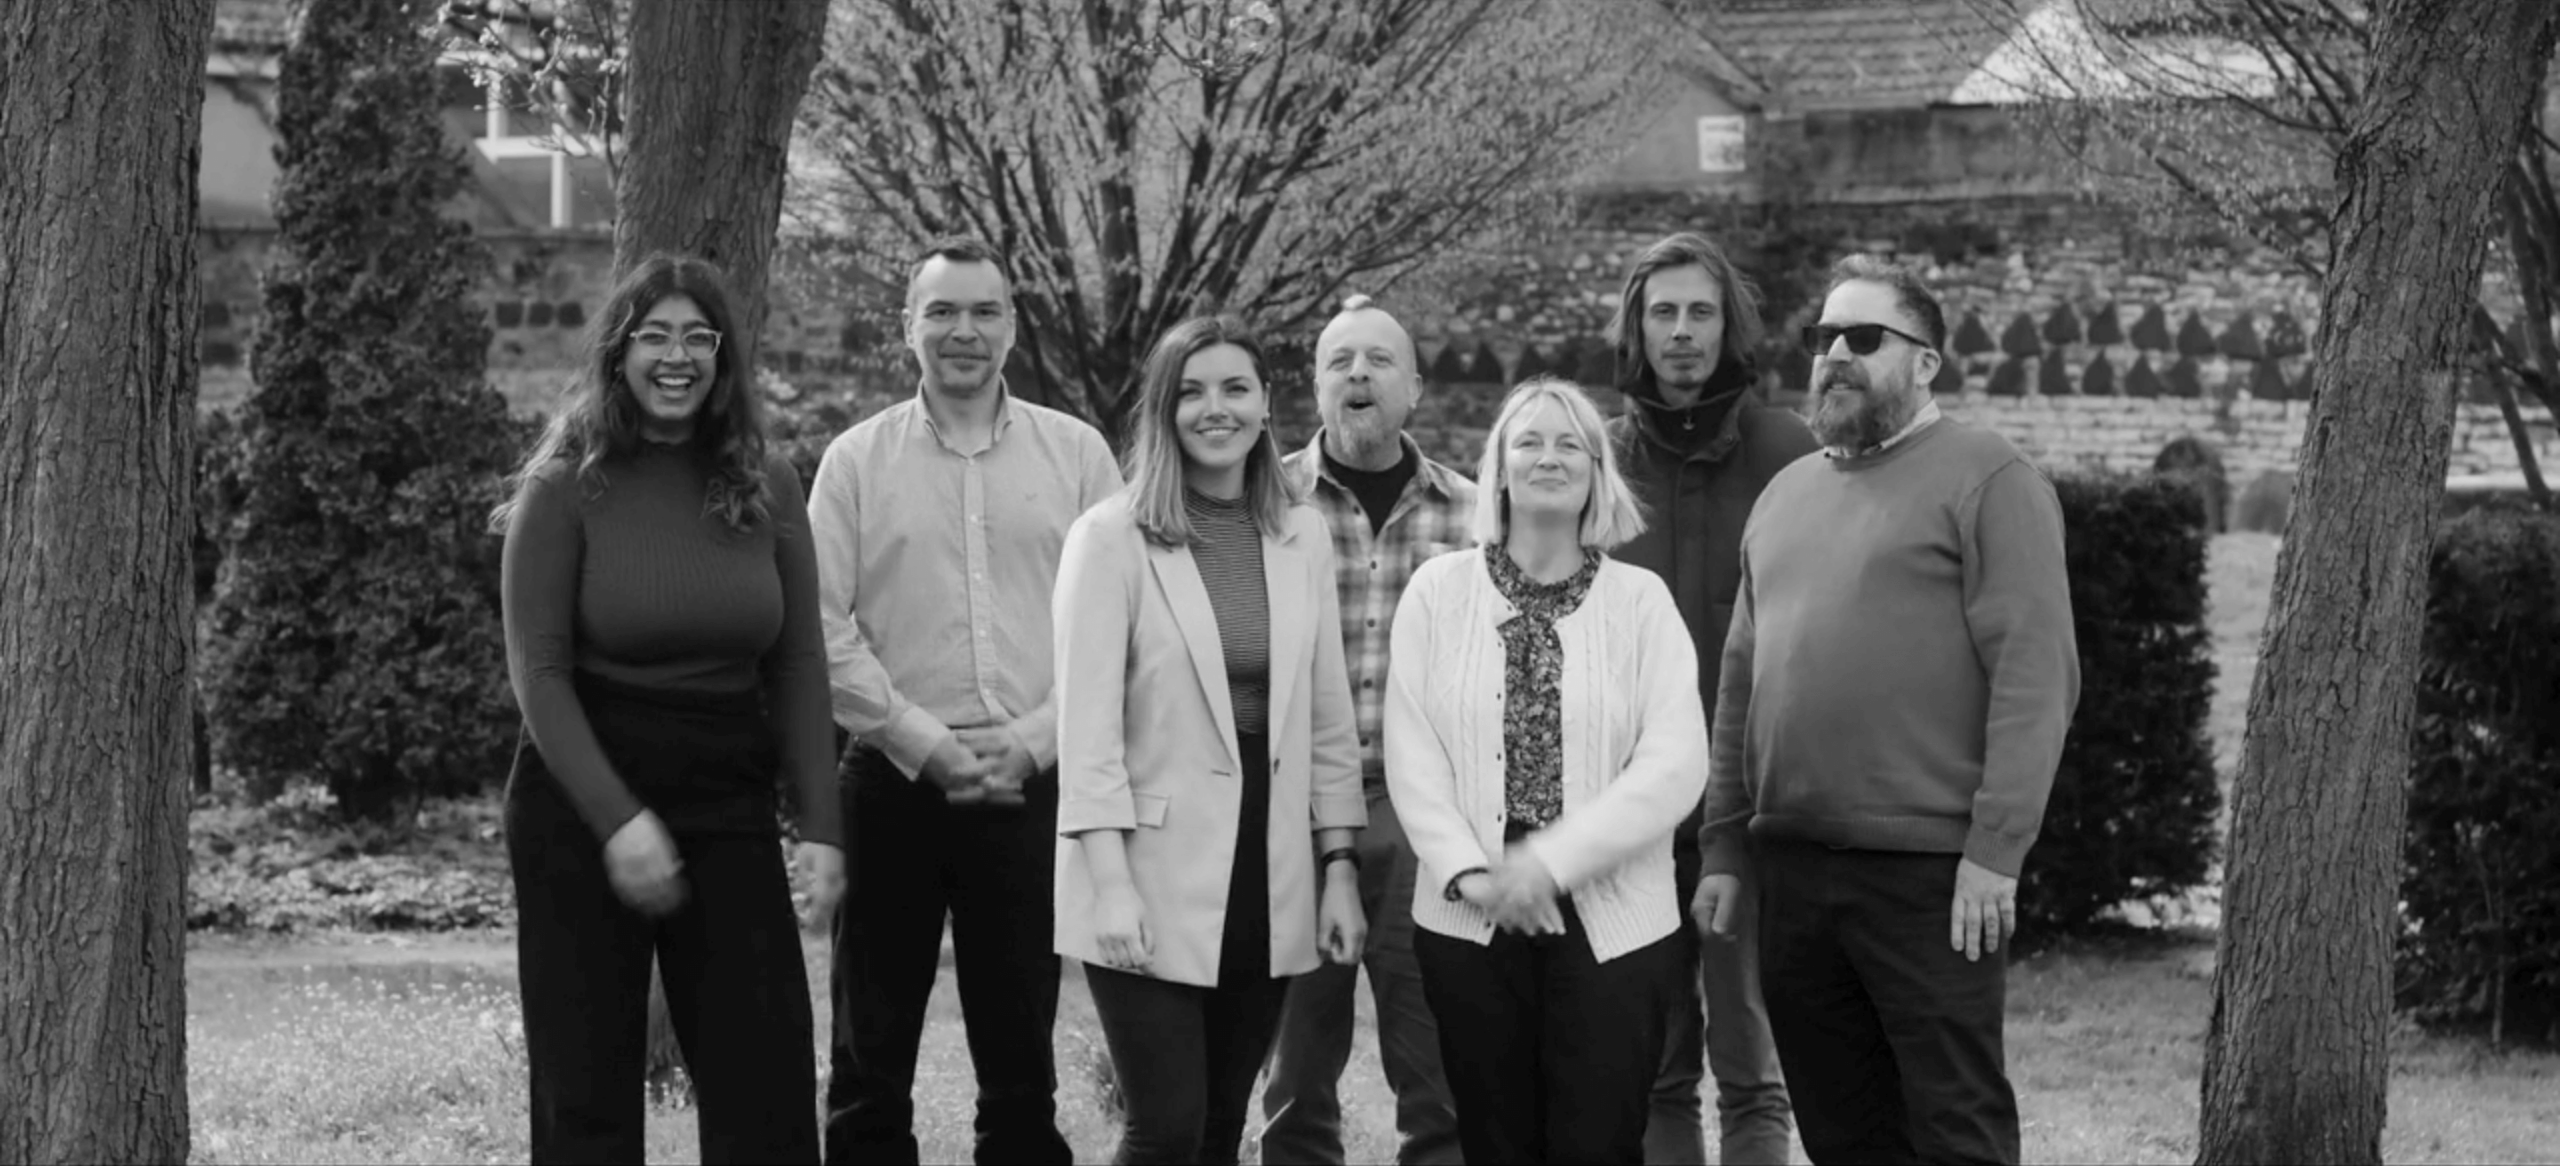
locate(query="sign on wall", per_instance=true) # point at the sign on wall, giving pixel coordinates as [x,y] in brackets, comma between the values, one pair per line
[1720,142]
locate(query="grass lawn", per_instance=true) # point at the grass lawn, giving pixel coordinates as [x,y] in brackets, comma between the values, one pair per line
[360,1052]
[392,1048]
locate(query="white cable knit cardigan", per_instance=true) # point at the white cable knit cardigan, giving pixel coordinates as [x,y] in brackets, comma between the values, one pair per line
[1635,746]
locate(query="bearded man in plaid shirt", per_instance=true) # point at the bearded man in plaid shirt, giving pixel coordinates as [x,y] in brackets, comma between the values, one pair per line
[1390,509]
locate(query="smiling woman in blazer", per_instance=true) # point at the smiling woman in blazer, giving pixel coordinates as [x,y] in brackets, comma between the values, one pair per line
[1208,763]
[1544,739]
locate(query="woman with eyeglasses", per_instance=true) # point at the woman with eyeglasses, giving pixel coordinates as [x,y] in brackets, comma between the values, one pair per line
[663,640]
[1544,738]
[1208,762]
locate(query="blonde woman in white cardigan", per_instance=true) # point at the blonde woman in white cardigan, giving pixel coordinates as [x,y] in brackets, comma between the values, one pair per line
[1544,739]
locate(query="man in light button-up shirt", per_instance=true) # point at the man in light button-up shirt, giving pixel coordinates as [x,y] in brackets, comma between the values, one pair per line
[938,524]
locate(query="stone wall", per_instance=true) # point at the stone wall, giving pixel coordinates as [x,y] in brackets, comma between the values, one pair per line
[2088,339]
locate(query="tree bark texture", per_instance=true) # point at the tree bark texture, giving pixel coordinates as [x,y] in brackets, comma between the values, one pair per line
[100,113]
[2297,1057]
[714,90]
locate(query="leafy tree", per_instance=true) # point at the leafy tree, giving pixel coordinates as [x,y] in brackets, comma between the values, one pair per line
[1140,161]
[101,110]
[354,631]
[2242,109]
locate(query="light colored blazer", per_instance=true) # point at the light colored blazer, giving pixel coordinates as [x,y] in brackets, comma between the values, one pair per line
[1147,737]
[1635,746]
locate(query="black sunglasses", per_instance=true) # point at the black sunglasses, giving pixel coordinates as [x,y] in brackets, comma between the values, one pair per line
[1864,339]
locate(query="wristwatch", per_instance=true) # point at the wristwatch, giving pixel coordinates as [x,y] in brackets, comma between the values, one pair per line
[1450,892]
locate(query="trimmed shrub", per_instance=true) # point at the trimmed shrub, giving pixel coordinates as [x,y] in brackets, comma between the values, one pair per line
[2265,504]
[2151,331]
[2053,377]
[2481,888]
[2196,340]
[2195,462]
[2010,379]
[2104,329]
[2020,339]
[2132,813]
[2140,381]
[2100,380]
[353,634]
[2061,327]
[1972,339]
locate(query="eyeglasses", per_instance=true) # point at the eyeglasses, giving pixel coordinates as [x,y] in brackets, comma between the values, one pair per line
[1864,339]
[654,342]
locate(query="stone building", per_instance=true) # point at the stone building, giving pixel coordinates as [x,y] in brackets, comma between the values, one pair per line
[1796,130]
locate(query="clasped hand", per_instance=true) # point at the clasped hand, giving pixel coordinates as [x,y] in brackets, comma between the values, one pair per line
[982,766]
[1518,892]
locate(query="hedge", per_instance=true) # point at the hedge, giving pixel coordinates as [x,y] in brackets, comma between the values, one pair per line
[2481,889]
[2134,800]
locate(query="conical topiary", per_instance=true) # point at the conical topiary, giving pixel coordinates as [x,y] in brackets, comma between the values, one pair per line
[2240,340]
[2151,332]
[2194,339]
[2100,380]
[2010,379]
[2140,381]
[2061,326]
[2019,338]
[1971,338]
[2053,379]
[2103,327]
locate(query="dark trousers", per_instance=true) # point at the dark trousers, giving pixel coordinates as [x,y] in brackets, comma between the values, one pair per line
[737,992]
[1185,1058]
[1551,1054]
[1718,1022]
[1891,1038]
[1302,1106]
[912,861]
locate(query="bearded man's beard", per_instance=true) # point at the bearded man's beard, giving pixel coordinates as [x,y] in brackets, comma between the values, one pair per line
[1844,418]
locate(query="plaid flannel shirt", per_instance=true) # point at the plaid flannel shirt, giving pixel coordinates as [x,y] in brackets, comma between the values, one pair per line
[1431,517]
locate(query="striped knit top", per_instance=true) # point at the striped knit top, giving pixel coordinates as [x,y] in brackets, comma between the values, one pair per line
[1633,740]
[1227,547]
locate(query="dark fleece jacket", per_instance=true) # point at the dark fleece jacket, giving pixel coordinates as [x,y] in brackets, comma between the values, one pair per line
[1697,471]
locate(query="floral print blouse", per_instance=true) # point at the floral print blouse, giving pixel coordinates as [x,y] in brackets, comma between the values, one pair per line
[1533,678]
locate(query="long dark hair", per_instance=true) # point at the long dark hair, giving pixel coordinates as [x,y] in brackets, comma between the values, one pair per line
[1737,366]
[601,420]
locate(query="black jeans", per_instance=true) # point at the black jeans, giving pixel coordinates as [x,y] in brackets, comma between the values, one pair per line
[912,861]
[1185,1058]
[737,993]
[1551,1054]
[1891,1039]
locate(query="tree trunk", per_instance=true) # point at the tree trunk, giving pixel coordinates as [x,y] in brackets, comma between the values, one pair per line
[100,120]
[714,90]
[2297,1058]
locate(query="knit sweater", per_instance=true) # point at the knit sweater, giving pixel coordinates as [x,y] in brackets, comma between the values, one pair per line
[635,583]
[1633,743]
[1901,668]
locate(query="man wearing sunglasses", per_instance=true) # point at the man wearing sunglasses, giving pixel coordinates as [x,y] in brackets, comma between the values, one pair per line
[1698,448]
[1895,691]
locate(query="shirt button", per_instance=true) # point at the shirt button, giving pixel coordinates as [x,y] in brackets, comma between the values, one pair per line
[1373,623]
[1364,742]
[1373,564]
[1368,684]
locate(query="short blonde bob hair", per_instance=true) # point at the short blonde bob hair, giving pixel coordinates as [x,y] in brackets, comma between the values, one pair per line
[1611,515]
